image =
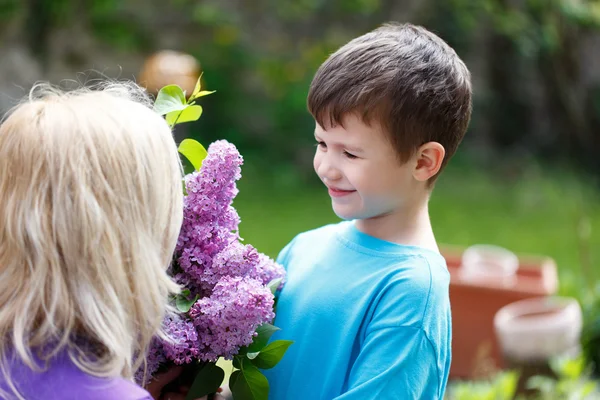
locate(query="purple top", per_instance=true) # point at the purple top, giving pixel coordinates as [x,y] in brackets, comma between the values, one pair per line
[63,380]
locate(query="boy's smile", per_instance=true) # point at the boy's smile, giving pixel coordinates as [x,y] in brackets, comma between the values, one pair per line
[337,193]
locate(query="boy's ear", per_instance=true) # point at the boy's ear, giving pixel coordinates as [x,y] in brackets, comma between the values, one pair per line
[429,159]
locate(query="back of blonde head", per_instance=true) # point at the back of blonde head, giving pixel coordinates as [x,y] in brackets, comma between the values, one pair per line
[90,210]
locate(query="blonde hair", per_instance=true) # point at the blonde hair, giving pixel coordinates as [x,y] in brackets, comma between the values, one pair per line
[90,210]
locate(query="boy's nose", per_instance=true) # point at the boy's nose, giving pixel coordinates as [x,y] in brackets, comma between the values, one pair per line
[326,170]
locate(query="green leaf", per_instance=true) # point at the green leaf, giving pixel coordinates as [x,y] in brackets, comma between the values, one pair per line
[197,87]
[237,362]
[188,114]
[249,383]
[274,284]
[272,354]
[507,383]
[252,356]
[573,368]
[170,98]
[193,151]
[588,388]
[183,304]
[197,90]
[204,93]
[233,378]
[264,333]
[542,383]
[208,380]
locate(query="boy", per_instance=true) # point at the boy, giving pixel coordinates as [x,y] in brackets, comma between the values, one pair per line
[366,300]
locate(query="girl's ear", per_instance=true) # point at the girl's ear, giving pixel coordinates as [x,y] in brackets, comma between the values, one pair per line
[429,159]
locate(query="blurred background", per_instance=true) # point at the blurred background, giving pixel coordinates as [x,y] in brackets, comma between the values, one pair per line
[526,177]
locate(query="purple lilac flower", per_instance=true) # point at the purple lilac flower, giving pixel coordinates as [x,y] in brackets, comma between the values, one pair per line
[184,281]
[182,347]
[199,242]
[210,222]
[227,319]
[235,260]
[230,219]
[211,190]
[267,269]
[196,260]
[154,358]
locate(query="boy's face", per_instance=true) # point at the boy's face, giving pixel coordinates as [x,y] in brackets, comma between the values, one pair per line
[361,170]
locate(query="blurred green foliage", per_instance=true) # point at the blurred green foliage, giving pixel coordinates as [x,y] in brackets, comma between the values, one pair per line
[571,381]
[591,330]
[535,26]
[268,51]
[503,386]
[261,55]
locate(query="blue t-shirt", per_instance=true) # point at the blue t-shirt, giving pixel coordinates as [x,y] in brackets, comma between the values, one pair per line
[369,319]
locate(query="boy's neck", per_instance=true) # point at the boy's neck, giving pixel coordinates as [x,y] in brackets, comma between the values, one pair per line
[410,226]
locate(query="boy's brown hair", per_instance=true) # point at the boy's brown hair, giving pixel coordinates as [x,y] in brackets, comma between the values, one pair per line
[402,77]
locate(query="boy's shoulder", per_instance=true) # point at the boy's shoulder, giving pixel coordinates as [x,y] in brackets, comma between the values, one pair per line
[415,294]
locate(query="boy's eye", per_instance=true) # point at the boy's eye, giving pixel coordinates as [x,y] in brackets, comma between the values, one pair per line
[322,145]
[349,155]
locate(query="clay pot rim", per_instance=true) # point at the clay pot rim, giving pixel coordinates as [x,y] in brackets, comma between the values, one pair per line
[506,261]
[558,313]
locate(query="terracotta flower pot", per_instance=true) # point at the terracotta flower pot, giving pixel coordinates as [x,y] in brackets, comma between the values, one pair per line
[492,279]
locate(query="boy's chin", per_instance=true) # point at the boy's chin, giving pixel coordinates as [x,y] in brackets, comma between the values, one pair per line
[354,214]
[346,215]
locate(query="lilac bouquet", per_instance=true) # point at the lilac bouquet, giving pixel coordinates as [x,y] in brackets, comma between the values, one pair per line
[227,304]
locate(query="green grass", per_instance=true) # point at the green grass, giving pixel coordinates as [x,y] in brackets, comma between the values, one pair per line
[552,214]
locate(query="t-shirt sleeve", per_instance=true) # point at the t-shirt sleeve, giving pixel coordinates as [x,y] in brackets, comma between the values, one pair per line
[395,363]
[284,254]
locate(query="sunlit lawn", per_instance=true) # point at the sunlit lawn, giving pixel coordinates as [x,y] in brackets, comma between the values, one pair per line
[542,213]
